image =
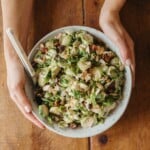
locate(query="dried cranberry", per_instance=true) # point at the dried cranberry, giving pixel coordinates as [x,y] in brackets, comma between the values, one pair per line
[56,43]
[61,47]
[93,47]
[44,50]
[111,87]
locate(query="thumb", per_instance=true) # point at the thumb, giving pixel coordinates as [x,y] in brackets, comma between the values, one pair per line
[123,48]
[118,38]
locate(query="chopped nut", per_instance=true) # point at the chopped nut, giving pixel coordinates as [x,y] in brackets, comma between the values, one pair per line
[100,50]
[86,76]
[93,47]
[42,45]
[99,86]
[46,87]
[62,102]
[107,56]
[57,103]
[56,118]
[73,125]
[43,48]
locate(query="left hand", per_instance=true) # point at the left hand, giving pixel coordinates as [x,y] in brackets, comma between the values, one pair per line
[16,87]
[113,28]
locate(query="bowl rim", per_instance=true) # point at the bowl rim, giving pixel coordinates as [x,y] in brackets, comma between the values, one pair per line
[127,68]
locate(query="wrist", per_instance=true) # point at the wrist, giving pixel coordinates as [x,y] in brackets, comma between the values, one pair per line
[108,17]
[10,55]
[114,6]
[9,52]
[11,59]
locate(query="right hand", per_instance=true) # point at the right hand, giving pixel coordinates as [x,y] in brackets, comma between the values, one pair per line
[16,83]
[113,28]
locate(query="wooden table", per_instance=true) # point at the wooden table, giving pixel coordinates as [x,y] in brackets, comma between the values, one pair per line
[132,132]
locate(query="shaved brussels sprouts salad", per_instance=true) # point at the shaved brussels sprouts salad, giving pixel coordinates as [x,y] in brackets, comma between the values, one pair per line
[79,80]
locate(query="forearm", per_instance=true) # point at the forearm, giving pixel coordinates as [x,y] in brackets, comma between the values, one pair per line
[111,25]
[113,5]
[17,15]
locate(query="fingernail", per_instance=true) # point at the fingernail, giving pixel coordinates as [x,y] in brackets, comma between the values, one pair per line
[128,62]
[27,109]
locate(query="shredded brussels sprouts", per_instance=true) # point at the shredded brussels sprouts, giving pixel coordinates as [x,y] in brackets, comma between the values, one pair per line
[79,80]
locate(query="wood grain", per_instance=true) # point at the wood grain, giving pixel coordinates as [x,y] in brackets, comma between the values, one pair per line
[132,130]
[91,12]
[16,133]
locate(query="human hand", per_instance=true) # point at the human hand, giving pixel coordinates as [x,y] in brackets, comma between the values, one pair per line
[112,27]
[16,83]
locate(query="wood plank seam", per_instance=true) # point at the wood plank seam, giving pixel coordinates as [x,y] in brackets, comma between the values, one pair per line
[83,12]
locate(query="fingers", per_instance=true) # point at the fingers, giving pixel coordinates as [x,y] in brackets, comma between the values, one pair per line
[29,116]
[123,47]
[123,41]
[24,102]
[117,36]
[131,48]
[127,53]
[24,105]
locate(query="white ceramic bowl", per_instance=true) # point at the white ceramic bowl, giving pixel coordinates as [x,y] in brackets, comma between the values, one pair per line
[112,118]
